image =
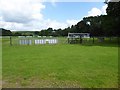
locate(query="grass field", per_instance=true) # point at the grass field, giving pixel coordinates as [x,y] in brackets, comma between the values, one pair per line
[61,65]
[0,63]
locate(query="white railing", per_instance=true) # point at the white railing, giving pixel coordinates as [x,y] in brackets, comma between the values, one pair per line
[25,42]
[45,41]
[38,41]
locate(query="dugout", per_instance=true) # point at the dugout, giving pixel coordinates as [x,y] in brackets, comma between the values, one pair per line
[77,37]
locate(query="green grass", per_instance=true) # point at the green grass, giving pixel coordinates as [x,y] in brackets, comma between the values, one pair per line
[0,63]
[61,65]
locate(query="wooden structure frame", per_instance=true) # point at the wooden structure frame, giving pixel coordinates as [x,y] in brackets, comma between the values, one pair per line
[77,37]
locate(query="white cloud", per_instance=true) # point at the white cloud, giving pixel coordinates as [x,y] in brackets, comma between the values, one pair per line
[75,0]
[104,9]
[27,15]
[21,11]
[37,26]
[72,22]
[53,2]
[34,25]
[95,11]
[20,14]
[14,26]
[55,24]
[1,19]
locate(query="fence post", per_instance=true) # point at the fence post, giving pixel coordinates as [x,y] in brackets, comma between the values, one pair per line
[28,40]
[68,40]
[80,39]
[11,40]
[93,40]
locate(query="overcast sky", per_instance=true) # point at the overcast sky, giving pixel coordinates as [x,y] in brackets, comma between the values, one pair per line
[34,15]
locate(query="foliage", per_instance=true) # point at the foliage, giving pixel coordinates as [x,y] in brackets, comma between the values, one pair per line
[4,32]
[113,11]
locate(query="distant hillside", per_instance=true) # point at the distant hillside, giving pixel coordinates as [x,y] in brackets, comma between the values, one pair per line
[5,32]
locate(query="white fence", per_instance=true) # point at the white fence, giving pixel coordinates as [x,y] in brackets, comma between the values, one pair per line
[45,41]
[40,41]
[52,41]
[37,41]
[25,42]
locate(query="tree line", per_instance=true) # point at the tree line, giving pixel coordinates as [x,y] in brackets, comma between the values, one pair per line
[103,25]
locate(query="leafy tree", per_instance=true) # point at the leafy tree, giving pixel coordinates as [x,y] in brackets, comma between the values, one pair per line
[17,34]
[113,11]
[5,32]
[36,32]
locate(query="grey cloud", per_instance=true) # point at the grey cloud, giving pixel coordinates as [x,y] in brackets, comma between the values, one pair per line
[18,18]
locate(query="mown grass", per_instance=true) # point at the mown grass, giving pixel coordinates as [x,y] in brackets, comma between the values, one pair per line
[61,65]
[0,63]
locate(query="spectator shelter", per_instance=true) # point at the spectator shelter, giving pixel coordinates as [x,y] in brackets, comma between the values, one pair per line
[77,37]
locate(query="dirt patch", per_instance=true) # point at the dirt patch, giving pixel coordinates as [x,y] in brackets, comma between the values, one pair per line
[0,84]
[40,83]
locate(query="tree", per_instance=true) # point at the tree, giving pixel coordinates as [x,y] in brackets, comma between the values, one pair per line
[17,34]
[49,32]
[36,32]
[113,11]
[5,32]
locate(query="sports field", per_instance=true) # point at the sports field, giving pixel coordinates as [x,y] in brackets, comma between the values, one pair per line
[60,65]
